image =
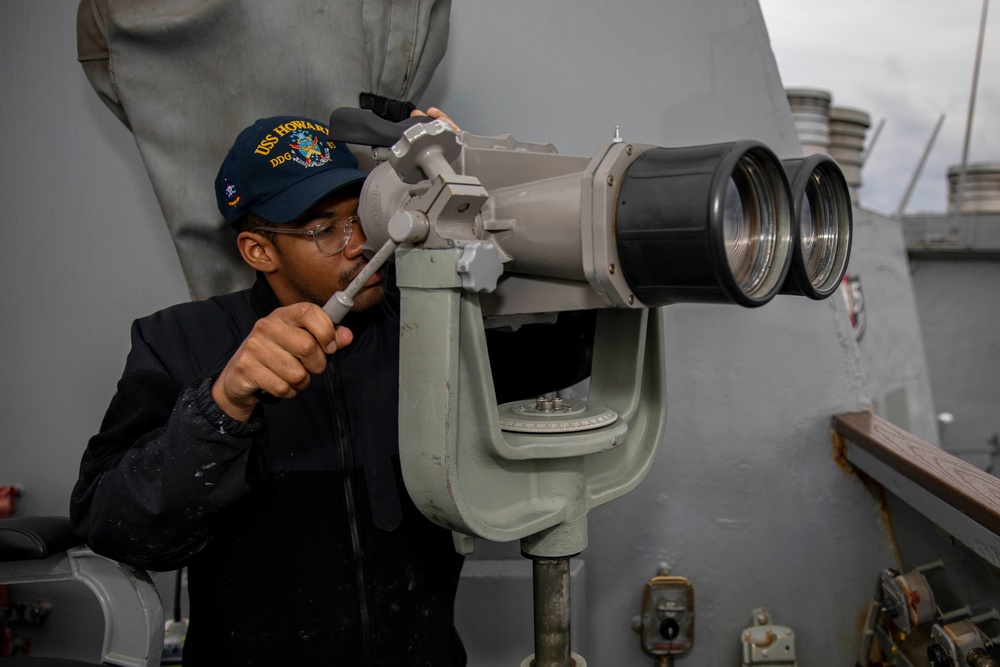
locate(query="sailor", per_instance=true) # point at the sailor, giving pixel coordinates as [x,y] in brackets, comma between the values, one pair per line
[255,443]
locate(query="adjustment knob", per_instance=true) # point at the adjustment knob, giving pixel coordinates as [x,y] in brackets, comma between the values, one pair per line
[669,629]
[424,151]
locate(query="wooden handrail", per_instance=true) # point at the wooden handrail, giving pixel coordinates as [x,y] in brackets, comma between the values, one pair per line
[965,487]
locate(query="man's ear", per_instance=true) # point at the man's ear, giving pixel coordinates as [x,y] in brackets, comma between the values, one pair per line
[258,251]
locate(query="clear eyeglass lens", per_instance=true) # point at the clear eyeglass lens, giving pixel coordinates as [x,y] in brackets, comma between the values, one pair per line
[333,235]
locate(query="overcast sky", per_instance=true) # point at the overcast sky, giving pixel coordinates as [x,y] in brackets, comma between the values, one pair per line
[905,61]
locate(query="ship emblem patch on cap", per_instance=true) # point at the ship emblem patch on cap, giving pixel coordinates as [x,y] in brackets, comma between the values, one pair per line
[231,197]
[309,152]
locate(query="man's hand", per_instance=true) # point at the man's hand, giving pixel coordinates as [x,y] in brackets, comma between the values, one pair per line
[281,354]
[436,114]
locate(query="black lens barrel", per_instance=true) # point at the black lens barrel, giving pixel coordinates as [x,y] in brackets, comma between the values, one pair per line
[670,224]
[819,191]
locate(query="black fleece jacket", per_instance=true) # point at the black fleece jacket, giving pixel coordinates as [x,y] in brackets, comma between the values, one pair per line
[301,543]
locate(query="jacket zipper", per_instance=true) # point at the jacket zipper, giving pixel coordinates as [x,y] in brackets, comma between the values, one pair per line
[352,514]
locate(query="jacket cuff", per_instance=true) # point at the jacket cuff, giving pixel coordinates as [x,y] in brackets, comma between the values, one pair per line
[204,402]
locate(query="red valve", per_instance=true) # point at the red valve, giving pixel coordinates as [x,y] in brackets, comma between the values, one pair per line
[7,496]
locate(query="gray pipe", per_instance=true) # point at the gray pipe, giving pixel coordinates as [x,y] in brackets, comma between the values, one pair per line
[550,579]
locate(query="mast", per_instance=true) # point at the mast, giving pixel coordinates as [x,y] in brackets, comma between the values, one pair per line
[972,108]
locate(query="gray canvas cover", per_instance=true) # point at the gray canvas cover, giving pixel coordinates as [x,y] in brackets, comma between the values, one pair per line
[187,75]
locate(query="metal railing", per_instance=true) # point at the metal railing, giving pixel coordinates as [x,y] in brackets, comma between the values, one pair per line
[957,496]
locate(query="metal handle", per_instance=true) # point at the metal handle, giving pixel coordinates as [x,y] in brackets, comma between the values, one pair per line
[341,303]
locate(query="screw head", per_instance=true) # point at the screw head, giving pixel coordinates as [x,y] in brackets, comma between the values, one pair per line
[611,180]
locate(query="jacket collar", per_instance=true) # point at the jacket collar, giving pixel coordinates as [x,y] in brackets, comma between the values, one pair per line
[262,297]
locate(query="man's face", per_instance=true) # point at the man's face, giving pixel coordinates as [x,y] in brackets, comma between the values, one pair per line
[306,274]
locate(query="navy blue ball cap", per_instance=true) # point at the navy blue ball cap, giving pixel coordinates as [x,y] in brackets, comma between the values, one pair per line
[280,167]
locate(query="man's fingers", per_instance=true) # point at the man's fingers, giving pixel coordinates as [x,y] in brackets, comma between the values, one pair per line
[342,338]
[312,319]
[294,343]
[276,345]
[280,356]
[262,364]
[307,316]
[436,114]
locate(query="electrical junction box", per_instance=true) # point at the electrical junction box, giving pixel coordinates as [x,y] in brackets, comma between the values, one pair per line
[667,623]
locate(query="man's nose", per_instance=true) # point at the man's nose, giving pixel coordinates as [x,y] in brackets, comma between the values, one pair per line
[357,242]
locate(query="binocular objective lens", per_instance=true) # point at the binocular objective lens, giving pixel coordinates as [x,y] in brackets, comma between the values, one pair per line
[820,229]
[749,228]
[807,231]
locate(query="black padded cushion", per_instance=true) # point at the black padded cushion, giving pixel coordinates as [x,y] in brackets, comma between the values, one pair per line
[35,537]
[363,127]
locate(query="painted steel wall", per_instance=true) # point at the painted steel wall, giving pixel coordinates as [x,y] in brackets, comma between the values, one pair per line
[892,344]
[955,261]
[84,252]
[959,310]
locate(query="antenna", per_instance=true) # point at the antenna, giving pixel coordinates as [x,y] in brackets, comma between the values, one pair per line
[972,109]
[871,144]
[920,168]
